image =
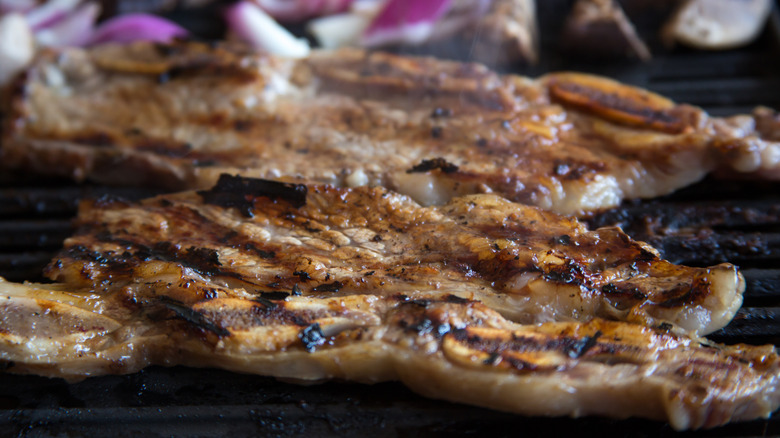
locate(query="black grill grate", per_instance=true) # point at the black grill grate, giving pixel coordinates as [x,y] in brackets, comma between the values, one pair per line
[711,222]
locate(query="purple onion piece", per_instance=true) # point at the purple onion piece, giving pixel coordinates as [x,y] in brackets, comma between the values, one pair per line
[292,11]
[74,29]
[50,13]
[136,27]
[20,6]
[405,22]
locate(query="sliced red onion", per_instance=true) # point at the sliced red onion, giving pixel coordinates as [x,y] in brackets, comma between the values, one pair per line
[73,30]
[136,27]
[298,10]
[50,12]
[22,6]
[405,22]
[16,45]
[253,25]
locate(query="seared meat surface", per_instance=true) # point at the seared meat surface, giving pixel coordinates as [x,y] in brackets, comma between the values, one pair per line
[178,116]
[530,265]
[480,301]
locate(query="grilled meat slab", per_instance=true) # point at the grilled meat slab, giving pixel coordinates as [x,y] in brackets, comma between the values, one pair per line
[180,115]
[530,265]
[480,301]
[441,346]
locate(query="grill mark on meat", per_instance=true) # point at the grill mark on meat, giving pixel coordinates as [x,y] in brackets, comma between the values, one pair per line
[193,317]
[505,132]
[521,350]
[329,287]
[426,326]
[484,246]
[432,164]
[177,62]
[376,76]
[164,148]
[275,296]
[233,191]
[686,292]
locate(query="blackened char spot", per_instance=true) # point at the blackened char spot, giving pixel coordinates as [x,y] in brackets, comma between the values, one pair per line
[296,291]
[612,290]
[165,148]
[687,294]
[435,163]
[242,125]
[303,275]
[263,254]
[240,192]
[441,112]
[492,358]
[97,139]
[456,299]
[204,163]
[265,302]
[564,239]
[329,287]
[203,260]
[425,326]
[275,295]
[81,252]
[193,317]
[421,302]
[582,346]
[311,337]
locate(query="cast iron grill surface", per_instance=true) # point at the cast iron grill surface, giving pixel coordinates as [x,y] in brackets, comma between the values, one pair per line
[711,222]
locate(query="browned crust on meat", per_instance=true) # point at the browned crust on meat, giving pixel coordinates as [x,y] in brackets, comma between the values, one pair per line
[178,116]
[515,258]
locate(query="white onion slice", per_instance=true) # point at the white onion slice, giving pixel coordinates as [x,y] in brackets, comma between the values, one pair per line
[17,45]
[136,27]
[73,30]
[253,25]
[338,30]
[50,13]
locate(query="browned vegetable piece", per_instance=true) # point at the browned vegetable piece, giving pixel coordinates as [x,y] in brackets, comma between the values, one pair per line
[600,28]
[506,35]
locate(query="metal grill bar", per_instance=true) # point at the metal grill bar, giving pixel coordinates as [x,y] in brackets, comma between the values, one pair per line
[187,402]
[34,234]
[762,283]
[28,202]
[752,324]
[706,247]
[658,217]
